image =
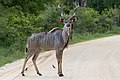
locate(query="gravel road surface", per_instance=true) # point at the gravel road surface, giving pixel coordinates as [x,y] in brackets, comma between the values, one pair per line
[92,60]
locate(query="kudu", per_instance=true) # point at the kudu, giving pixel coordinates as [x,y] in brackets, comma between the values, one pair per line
[57,39]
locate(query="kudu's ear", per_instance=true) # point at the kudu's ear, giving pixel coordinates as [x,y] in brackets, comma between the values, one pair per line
[62,19]
[73,19]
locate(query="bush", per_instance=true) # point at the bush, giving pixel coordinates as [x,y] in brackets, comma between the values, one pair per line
[90,21]
[87,21]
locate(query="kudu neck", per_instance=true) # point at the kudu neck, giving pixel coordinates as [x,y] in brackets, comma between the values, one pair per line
[65,35]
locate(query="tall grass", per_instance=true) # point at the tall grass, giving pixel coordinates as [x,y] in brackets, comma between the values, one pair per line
[8,56]
[81,38]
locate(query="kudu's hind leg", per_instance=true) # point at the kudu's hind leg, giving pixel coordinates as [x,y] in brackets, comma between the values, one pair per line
[59,60]
[34,62]
[26,59]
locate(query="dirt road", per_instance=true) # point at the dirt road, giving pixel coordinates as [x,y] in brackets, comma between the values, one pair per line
[93,60]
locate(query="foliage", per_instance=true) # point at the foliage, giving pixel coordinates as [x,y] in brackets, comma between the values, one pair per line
[27,6]
[101,5]
[48,19]
[87,19]
[90,21]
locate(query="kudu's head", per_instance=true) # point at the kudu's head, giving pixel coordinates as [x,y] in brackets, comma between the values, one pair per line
[68,22]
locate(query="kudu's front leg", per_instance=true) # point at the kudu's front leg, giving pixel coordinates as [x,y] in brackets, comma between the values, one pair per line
[59,60]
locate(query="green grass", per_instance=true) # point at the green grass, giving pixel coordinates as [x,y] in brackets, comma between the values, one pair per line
[81,38]
[8,55]
[11,58]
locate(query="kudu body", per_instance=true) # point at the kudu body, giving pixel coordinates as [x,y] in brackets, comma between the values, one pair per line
[56,39]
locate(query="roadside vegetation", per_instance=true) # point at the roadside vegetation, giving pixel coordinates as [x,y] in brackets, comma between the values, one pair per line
[20,18]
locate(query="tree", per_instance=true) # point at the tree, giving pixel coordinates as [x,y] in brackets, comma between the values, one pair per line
[27,6]
[101,5]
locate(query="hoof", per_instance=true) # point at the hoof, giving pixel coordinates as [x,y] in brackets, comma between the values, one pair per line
[53,66]
[61,75]
[26,69]
[23,74]
[39,74]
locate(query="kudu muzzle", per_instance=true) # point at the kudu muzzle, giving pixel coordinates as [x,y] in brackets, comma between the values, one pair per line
[68,28]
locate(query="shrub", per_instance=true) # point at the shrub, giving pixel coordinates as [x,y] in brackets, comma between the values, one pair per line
[87,21]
